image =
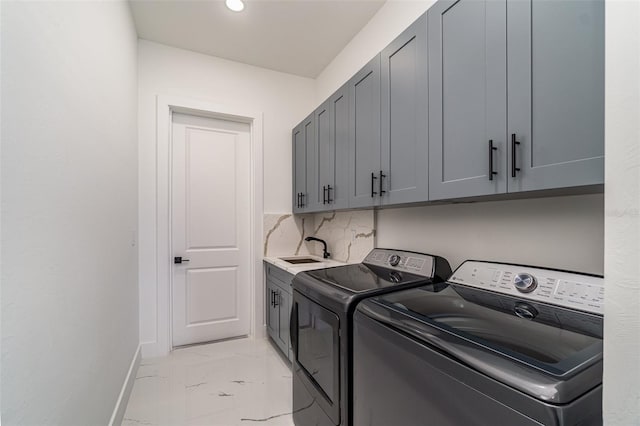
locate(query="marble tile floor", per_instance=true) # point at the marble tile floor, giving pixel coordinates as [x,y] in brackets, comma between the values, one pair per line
[239,382]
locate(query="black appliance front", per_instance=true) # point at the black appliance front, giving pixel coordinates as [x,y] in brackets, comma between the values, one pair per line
[315,339]
[461,356]
[321,327]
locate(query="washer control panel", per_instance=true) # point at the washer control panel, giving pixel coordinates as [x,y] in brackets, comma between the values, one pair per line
[567,289]
[415,263]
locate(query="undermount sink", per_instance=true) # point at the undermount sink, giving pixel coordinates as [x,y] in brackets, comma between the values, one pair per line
[299,260]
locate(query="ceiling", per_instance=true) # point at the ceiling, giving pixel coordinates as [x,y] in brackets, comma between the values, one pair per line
[294,36]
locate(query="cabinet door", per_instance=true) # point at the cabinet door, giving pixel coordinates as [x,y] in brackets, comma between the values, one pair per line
[310,194]
[299,167]
[405,148]
[284,305]
[273,316]
[364,135]
[555,65]
[325,159]
[304,147]
[338,196]
[467,98]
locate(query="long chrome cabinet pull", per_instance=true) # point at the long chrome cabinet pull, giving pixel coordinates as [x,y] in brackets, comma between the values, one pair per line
[514,143]
[491,149]
[382,175]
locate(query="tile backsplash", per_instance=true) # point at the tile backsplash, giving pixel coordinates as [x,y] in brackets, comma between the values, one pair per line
[350,236]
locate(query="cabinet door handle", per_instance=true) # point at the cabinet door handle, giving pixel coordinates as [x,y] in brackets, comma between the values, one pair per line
[276,297]
[373,178]
[324,194]
[329,200]
[491,149]
[302,197]
[382,175]
[514,143]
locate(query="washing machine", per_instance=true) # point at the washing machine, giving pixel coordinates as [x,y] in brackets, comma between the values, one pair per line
[498,344]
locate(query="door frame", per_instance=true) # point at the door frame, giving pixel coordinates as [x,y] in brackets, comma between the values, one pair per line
[166,105]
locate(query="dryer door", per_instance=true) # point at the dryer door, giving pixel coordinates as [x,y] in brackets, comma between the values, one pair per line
[315,338]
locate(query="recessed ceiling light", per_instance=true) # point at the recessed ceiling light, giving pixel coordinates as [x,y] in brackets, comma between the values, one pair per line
[235,5]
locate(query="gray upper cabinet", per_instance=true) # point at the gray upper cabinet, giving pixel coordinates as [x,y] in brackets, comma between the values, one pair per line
[475,98]
[404,139]
[555,63]
[299,167]
[332,139]
[467,98]
[364,136]
[304,152]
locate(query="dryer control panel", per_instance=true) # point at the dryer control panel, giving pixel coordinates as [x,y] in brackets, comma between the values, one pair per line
[567,289]
[406,261]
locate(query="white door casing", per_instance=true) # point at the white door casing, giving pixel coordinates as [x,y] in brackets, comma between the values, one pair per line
[210,226]
[160,298]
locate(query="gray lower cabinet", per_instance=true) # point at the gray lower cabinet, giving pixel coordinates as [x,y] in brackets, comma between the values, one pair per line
[272,314]
[332,157]
[304,151]
[467,98]
[404,140]
[364,136]
[555,68]
[278,307]
[516,96]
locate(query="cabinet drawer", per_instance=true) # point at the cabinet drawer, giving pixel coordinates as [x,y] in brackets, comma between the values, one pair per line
[278,276]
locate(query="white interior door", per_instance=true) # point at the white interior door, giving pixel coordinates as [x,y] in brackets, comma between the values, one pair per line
[210,228]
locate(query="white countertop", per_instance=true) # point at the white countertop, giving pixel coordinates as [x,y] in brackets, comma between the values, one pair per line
[301,267]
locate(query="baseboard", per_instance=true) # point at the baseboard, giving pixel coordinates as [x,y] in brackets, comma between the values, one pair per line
[125,392]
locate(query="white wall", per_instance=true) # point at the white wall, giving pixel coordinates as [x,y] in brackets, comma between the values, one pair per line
[622,215]
[283,99]
[558,232]
[69,210]
[392,18]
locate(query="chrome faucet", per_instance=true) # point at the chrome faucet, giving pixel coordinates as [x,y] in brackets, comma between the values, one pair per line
[325,253]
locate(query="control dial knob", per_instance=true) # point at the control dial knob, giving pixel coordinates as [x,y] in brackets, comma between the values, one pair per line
[394,259]
[525,283]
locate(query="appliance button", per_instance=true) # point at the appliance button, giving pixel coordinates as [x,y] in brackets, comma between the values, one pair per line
[525,283]
[395,277]
[526,311]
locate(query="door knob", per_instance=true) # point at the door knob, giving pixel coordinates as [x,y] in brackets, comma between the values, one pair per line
[179,259]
